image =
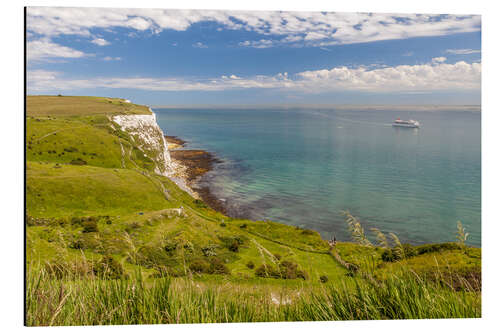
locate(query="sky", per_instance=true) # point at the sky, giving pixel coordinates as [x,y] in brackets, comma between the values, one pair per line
[203,57]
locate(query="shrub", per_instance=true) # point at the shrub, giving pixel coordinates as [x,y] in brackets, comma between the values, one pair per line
[170,247]
[243,226]
[132,226]
[409,251]
[164,271]
[323,279]
[199,266]
[302,275]
[233,243]
[266,271]
[250,265]
[429,248]
[286,270]
[217,266]
[394,254]
[308,232]
[90,226]
[234,246]
[78,161]
[388,256]
[200,204]
[277,256]
[152,256]
[109,268]
[209,250]
[222,224]
[77,245]
[76,220]
[188,246]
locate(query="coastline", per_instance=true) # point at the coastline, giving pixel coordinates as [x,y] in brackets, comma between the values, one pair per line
[189,167]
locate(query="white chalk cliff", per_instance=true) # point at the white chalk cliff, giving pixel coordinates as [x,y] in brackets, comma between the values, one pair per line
[149,138]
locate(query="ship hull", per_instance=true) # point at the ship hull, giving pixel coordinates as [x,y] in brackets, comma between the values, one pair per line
[406,125]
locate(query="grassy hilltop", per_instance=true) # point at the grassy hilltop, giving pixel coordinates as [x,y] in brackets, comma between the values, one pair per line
[106,244]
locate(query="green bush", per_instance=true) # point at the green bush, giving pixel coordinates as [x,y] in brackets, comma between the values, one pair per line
[277,256]
[285,270]
[250,265]
[78,161]
[388,256]
[429,248]
[409,251]
[170,247]
[200,204]
[199,266]
[109,268]
[217,266]
[77,245]
[90,226]
[233,243]
[152,256]
[234,246]
[394,254]
[71,149]
[308,232]
[132,226]
[77,220]
[323,279]
[209,250]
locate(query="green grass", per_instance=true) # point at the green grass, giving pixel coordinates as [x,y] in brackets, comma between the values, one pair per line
[114,209]
[39,106]
[135,301]
[70,190]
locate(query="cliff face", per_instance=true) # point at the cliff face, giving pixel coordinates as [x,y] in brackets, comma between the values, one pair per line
[149,138]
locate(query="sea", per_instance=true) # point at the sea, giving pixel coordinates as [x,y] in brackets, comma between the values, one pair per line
[305,166]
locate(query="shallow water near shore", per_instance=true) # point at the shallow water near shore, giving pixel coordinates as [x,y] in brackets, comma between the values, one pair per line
[303,167]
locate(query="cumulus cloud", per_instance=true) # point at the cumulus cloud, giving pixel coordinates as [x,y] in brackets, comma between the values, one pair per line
[100,41]
[294,28]
[43,49]
[433,76]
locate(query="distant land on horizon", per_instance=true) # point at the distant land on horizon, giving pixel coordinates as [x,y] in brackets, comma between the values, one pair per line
[360,107]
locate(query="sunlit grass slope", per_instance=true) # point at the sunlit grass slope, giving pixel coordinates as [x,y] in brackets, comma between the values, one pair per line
[100,222]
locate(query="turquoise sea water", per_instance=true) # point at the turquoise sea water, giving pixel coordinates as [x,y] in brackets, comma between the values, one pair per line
[303,167]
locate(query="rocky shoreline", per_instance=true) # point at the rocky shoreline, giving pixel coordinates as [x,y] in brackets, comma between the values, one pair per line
[190,166]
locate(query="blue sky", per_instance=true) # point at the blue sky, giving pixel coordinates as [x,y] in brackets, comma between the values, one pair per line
[171,57]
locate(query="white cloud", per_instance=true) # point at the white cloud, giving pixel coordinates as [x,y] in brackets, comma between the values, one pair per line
[200,45]
[259,44]
[108,58]
[308,28]
[462,51]
[438,59]
[434,76]
[43,49]
[100,41]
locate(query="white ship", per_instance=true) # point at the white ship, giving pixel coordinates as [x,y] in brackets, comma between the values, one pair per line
[406,123]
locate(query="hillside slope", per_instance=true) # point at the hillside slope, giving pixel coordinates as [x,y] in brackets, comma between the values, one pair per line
[100,204]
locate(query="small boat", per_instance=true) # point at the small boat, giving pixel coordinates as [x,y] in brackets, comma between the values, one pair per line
[406,123]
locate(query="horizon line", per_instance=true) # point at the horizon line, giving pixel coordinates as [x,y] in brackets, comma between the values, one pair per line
[475,107]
